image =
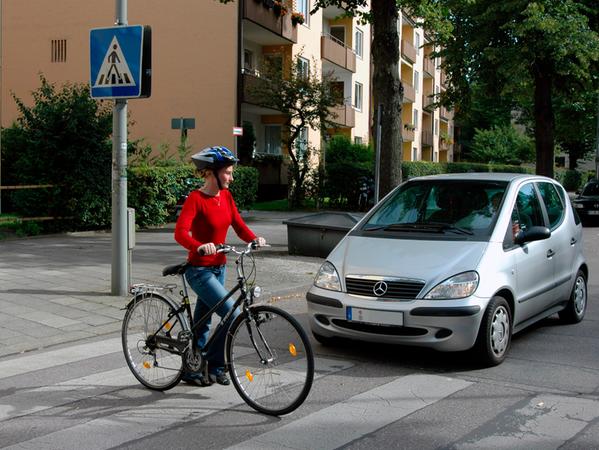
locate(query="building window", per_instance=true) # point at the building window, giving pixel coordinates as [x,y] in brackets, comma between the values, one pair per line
[58,50]
[358,140]
[303,6]
[248,61]
[414,154]
[415,119]
[358,95]
[435,157]
[416,81]
[359,44]
[272,139]
[417,43]
[301,143]
[436,127]
[338,34]
[303,68]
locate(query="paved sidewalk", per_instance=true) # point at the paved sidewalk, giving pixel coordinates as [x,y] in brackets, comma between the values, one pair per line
[56,289]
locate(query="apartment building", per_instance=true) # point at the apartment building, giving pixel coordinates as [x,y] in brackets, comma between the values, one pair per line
[205,57]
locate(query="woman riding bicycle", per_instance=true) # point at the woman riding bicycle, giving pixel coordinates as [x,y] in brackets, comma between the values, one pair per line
[205,219]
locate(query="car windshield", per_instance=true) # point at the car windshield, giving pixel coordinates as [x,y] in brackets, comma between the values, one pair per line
[591,189]
[443,207]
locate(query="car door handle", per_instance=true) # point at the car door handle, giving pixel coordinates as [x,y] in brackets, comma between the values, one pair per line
[573,241]
[550,253]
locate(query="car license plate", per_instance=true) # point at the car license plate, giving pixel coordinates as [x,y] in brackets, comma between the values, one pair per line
[374,316]
[593,213]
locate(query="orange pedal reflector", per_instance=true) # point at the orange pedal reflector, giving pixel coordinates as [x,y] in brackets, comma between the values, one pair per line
[292,350]
[168,326]
[147,364]
[249,375]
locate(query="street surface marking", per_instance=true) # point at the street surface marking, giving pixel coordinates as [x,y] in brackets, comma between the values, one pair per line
[547,421]
[24,364]
[358,416]
[125,426]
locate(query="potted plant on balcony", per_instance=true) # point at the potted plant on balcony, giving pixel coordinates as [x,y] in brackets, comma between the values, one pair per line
[297,17]
[279,8]
[409,127]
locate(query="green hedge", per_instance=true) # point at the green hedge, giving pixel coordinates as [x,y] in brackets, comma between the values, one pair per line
[411,169]
[154,190]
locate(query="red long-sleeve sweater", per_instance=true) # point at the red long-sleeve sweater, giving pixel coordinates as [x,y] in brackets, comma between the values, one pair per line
[206,219]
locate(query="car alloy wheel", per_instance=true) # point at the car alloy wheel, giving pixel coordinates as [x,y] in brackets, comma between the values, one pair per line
[500,328]
[495,332]
[577,305]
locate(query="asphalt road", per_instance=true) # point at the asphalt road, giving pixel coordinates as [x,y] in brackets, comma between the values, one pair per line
[544,396]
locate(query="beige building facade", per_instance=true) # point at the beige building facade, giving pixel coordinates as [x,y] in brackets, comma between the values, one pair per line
[206,55]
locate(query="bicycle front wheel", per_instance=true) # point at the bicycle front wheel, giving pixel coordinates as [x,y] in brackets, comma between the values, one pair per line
[148,316]
[270,360]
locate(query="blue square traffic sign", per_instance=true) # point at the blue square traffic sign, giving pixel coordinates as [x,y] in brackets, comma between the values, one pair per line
[116,67]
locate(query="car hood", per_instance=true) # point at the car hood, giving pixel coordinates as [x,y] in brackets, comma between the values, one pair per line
[429,261]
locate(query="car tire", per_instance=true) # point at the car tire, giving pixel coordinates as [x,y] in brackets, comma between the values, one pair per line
[577,305]
[495,332]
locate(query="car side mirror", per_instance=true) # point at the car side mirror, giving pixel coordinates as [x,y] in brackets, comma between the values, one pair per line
[532,234]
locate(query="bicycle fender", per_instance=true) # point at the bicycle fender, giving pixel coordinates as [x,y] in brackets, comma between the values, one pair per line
[182,317]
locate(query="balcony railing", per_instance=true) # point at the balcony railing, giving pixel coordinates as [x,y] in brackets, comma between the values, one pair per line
[344,115]
[429,67]
[427,101]
[409,94]
[408,51]
[335,51]
[427,138]
[265,17]
[408,134]
[444,113]
[251,81]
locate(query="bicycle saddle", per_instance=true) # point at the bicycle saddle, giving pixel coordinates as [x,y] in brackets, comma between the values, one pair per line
[176,269]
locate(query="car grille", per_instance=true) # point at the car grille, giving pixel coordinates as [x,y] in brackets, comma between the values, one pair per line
[400,289]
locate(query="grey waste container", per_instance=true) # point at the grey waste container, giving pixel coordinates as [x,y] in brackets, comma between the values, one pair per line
[317,234]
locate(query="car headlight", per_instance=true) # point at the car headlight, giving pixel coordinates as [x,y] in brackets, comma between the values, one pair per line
[327,277]
[458,286]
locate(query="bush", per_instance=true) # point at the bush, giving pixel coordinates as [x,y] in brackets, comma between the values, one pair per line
[571,180]
[501,144]
[245,186]
[346,166]
[62,140]
[153,191]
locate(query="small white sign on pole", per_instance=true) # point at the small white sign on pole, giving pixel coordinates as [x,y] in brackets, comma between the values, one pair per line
[237,131]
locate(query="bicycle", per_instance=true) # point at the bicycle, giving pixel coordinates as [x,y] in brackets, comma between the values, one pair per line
[267,352]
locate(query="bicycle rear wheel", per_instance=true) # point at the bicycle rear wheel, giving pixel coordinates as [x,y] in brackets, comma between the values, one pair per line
[270,359]
[154,367]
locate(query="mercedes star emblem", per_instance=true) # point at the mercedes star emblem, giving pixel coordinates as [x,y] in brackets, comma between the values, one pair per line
[380,289]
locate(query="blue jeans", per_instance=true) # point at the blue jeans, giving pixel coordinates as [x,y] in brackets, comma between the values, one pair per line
[208,283]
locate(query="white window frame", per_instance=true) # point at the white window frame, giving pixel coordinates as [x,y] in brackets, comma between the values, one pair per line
[358,140]
[358,95]
[303,6]
[414,153]
[304,67]
[416,81]
[359,42]
[415,118]
[301,143]
[417,43]
[267,142]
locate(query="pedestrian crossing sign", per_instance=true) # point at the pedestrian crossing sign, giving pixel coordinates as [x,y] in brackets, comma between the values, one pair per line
[120,65]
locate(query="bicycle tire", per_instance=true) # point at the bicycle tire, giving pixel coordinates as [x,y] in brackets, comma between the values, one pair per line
[281,385]
[157,369]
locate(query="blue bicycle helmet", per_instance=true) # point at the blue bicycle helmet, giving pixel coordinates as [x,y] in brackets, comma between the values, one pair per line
[214,158]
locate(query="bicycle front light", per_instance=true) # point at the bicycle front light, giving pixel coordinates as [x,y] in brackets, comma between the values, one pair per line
[459,286]
[256,291]
[327,277]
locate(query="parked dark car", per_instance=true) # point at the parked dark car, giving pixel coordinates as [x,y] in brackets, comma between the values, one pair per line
[586,202]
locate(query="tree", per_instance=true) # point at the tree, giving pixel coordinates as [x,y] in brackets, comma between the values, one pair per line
[305,100]
[529,50]
[501,145]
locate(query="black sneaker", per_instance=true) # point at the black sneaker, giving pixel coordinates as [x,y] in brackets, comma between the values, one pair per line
[220,377]
[197,378]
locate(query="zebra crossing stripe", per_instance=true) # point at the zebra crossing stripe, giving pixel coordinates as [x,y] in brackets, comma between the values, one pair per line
[29,363]
[124,426]
[360,415]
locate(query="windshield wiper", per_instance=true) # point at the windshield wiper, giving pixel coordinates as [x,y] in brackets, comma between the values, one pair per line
[433,227]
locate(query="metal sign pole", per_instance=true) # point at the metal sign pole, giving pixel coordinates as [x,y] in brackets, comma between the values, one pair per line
[119,182]
[377,159]
[597,143]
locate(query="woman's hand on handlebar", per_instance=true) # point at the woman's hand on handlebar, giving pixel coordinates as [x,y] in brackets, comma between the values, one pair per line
[260,241]
[207,249]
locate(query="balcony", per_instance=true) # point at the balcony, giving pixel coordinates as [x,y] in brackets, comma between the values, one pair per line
[251,82]
[336,52]
[281,26]
[408,51]
[427,139]
[409,94]
[444,113]
[408,134]
[428,102]
[344,115]
[429,67]
[444,145]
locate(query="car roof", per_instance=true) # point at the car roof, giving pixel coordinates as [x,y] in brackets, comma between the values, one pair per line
[483,176]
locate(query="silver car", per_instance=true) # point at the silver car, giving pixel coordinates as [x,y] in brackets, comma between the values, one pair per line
[454,262]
